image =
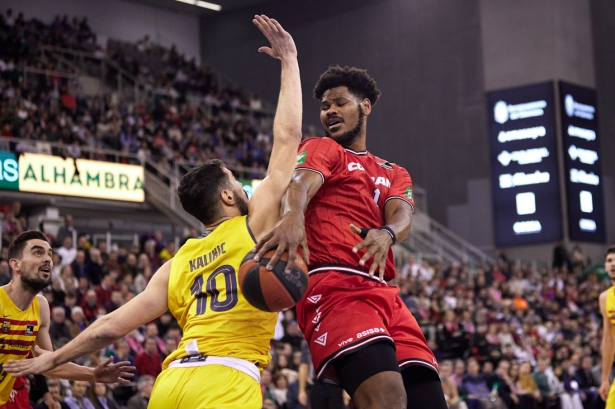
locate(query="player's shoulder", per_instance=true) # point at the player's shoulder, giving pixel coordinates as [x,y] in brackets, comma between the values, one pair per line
[385,164]
[319,141]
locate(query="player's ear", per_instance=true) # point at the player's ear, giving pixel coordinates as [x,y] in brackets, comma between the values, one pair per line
[15,264]
[226,195]
[366,106]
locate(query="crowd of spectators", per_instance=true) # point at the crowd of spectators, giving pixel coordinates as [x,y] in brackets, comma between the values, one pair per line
[505,337]
[226,124]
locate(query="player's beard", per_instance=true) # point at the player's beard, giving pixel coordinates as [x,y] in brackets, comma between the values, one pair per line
[347,138]
[35,284]
[242,204]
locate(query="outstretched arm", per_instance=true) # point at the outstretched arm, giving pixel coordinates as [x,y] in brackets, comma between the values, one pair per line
[265,203]
[104,372]
[145,307]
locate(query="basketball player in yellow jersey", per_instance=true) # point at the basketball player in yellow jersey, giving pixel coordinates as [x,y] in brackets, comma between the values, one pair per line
[25,316]
[225,343]
[607,308]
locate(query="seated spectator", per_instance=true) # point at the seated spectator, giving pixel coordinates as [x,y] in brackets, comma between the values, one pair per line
[141,398]
[568,399]
[503,383]
[149,362]
[79,400]
[96,267]
[67,252]
[549,397]
[460,371]
[5,272]
[53,399]
[451,393]
[101,398]
[58,330]
[115,302]
[104,290]
[586,383]
[477,390]
[151,331]
[121,352]
[90,305]
[78,322]
[65,231]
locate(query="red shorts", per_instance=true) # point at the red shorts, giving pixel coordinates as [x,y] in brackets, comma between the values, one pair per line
[20,399]
[344,312]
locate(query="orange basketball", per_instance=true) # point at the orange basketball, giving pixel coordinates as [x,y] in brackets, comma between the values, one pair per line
[272,290]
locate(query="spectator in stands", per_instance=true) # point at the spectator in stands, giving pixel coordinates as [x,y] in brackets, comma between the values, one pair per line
[67,252]
[53,399]
[101,398]
[588,387]
[141,399]
[280,389]
[560,257]
[90,305]
[149,361]
[451,393]
[121,352]
[548,396]
[95,266]
[5,272]
[58,330]
[568,400]
[78,321]
[130,266]
[67,230]
[151,332]
[104,290]
[79,400]
[475,385]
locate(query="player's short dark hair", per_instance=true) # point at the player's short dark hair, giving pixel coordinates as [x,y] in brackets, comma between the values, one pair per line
[199,190]
[357,80]
[20,242]
[610,250]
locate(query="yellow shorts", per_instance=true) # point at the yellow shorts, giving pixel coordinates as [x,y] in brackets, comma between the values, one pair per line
[205,387]
[610,400]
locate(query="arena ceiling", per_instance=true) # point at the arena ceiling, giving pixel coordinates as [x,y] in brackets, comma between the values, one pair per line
[176,6]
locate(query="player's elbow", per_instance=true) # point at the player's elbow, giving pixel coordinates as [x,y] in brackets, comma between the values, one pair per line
[108,332]
[288,135]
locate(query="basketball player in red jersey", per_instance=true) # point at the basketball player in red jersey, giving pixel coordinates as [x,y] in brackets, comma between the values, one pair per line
[352,207]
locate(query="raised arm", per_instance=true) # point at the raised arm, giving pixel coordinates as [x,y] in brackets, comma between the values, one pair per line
[607,349]
[145,307]
[265,202]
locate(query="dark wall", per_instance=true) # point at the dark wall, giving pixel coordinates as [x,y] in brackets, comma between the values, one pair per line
[425,56]
[603,26]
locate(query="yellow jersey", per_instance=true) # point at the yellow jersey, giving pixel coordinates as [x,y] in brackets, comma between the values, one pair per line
[17,337]
[610,304]
[205,298]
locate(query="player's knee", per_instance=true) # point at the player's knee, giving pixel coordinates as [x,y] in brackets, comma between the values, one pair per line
[382,391]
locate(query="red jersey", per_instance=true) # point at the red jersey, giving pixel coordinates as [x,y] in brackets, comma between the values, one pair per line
[355,189]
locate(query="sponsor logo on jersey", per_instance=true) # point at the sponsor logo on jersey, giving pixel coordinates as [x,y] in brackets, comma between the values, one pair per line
[322,340]
[345,342]
[370,332]
[314,298]
[29,329]
[381,181]
[408,192]
[6,326]
[385,165]
[301,158]
[316,319]
[352,166]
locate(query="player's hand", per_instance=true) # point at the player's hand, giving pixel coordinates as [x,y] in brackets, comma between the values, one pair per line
[378,242]
[282,44]
[42,363]
[289,233]
[108,372]
[604,390]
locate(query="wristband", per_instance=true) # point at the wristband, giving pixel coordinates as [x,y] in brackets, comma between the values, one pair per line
[390,231]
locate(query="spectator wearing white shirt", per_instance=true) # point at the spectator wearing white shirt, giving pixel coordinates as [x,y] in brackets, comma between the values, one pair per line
[67,251]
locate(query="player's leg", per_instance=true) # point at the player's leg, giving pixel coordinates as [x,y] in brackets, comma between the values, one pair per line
[423,387]
[205,387]
[326,396]
[418,365]
[371,377]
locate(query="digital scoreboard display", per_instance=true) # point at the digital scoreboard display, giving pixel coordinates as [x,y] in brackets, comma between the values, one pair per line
[524,165]
[582,163]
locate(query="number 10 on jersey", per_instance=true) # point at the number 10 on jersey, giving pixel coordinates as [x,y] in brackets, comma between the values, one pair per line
[213,294]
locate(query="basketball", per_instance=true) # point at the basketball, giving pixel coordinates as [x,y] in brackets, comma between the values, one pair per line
[272,290]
